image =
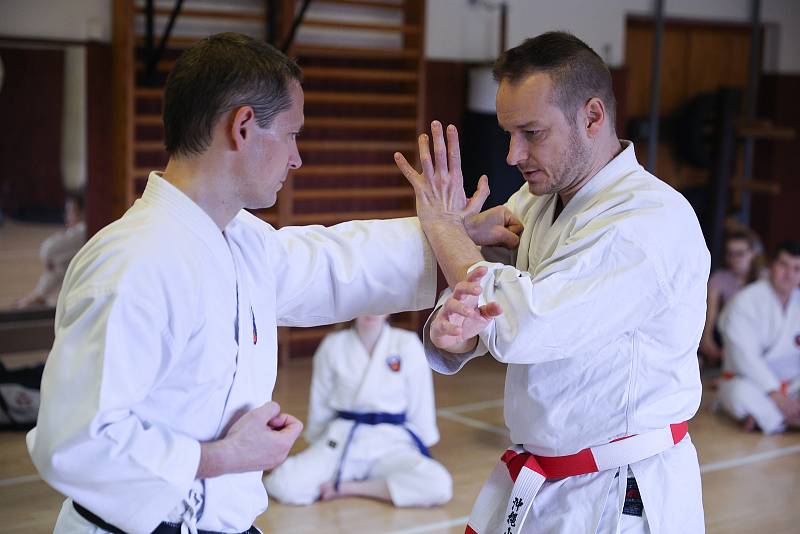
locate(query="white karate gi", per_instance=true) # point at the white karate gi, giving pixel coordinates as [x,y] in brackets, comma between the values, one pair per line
[56,252]
[166,330]
[762,351]
[347,378]
[602,316]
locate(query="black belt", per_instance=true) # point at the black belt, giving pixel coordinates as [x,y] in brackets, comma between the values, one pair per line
[163,528]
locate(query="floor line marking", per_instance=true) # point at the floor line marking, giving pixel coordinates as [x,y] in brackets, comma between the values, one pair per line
[474,423]
[472,406]
[18,480]
[459,521]
[749,459]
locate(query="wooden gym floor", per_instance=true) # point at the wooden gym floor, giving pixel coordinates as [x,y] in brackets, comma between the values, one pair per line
[751,483]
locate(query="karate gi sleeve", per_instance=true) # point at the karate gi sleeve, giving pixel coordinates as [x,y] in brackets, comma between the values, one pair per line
[320,414]
[743,351]
[327,275]
[109,352]
[594,289]
[421,411]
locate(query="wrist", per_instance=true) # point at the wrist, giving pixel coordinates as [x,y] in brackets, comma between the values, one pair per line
[465,346]
[439,220]
[215,459]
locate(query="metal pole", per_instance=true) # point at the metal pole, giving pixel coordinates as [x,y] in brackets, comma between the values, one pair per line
[751,105]
[503,27]
[655,86]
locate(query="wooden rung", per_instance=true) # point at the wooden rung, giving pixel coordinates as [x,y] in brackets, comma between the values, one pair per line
[338,216]
[364,3]
[381,123]
[165,65]
[350,52]
[764,129]
[205,13]
[363,192]
[270,217]
[359,146]
[340,170]
[329,73]
[771,188]
[142,172]
[360,98]
[147,120]
[149,92]
[363,26]
[173,42]
[148,146]
[306,334]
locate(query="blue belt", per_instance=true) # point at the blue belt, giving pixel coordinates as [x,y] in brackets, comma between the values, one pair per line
[373,418]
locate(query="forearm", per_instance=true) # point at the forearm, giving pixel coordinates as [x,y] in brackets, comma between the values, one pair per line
[214,460]
[454,250]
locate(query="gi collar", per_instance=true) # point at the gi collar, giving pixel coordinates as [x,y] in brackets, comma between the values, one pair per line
[169,199]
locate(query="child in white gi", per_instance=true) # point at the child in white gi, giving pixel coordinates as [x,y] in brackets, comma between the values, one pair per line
[371,418]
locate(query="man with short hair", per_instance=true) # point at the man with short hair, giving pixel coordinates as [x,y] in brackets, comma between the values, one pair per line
[155,410]
[761,330]
[598,314]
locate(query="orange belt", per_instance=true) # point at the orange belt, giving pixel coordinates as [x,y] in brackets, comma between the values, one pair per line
[784,389]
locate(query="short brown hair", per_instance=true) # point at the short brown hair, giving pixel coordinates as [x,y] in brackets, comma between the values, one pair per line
[218,74]
[577,72]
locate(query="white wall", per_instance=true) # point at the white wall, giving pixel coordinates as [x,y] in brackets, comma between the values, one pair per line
[80,20]
[458,31]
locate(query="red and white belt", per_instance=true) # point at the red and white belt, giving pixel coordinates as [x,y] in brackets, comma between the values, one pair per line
[518,476]
[784,389]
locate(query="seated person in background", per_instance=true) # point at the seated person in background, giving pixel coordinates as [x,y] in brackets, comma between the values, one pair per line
[56,252]
[741,268]
[761,331]
[371,418]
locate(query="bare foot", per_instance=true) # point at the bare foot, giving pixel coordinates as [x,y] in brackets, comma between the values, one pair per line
[749,424]
[327,492]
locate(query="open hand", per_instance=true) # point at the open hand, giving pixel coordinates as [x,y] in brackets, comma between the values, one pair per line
[440,188]
[460,319]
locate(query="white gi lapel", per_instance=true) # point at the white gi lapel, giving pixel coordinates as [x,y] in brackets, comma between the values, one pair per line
[372,369]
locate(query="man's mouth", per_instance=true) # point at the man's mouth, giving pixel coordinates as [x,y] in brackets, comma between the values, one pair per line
[531,174]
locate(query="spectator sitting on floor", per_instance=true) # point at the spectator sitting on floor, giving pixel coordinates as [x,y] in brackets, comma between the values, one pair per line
[56,252]
[761,331]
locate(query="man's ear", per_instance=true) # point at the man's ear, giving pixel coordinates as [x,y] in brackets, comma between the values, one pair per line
[594,116]
[244,120]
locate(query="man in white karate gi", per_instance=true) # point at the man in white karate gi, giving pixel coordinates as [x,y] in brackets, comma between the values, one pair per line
[761,330]
[598,314]
[155,410]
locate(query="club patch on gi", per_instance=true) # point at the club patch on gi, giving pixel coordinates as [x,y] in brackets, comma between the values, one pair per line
[394,363]
[633,500]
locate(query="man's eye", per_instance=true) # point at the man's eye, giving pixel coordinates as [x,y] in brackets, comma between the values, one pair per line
[532,133]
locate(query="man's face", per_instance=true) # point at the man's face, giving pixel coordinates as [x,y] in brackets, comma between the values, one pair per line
[272,154]
[784,273]
[544,144]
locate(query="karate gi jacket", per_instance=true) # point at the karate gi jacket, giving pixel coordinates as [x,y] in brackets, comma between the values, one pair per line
[166,331]
[603,310]
[762,339]
[394,379]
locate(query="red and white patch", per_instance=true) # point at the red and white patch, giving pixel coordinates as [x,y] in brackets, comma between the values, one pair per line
[394,363]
